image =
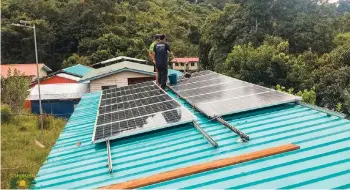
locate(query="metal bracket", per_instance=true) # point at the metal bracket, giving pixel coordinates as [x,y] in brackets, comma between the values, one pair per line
[243,136]
[209,139]
[110,165]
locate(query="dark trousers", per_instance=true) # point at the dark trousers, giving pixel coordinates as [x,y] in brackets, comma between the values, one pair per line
[162,77]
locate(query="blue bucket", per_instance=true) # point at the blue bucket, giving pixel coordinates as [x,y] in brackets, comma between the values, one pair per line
[173,79]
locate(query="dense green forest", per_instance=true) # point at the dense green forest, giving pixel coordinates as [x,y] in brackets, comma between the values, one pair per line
[301,46]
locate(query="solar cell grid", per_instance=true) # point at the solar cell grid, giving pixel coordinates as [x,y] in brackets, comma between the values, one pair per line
[196,84]
[130,110]
[216,95]
[213,88]
[170,116]
[127,112]
[199,78]
[196,74]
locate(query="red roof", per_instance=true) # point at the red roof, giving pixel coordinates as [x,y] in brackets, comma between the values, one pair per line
[27,69]
[185,59]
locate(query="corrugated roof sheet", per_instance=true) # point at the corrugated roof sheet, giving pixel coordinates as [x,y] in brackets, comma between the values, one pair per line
[62,91]
[322,162]
[79,69]
[118,67]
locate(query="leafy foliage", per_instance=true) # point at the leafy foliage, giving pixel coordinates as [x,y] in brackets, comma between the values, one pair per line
[299,44]
[304,24]
[14,90]
[6,114]
[97,30]
[272,64]
[267,64]
[308,96]
[74,60]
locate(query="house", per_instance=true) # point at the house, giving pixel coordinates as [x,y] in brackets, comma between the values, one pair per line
[182,64]
[117,60]
[117,75]
[29,70]
[322,162]
[120,74]
[68,75]
[57,99]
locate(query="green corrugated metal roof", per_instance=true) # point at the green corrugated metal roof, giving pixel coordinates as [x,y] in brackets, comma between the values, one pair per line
[116,68]
[79,69]
[322,162]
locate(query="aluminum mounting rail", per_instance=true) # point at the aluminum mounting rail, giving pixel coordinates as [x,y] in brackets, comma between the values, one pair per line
[205,134]
[243,136]
[109,160]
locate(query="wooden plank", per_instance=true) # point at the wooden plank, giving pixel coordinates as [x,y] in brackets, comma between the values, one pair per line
[166,176]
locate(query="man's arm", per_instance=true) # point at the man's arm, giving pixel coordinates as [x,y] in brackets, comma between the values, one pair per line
[169,50]
[151,52]
[154,54]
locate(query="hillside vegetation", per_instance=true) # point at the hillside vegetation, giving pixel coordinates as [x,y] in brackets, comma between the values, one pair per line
[98,29]
[298,45]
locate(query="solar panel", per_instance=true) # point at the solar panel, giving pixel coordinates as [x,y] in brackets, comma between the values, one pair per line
[136,109]
[217,95]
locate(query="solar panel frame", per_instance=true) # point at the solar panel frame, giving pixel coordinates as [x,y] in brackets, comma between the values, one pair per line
[198,96]
[110,122]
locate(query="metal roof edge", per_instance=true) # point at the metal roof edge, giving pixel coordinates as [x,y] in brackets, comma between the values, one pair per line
[46,67]
[54,74]
[120,59]
[324,110]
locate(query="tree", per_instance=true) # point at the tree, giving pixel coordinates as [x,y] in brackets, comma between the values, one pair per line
[266,65]
[14,90]
[343,6]
[346,104]
[344,23]
[74,60]
[333,77]
[98,29]
[305,24]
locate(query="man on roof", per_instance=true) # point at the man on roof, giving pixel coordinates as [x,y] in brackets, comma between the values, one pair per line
[151,53]
[161,50]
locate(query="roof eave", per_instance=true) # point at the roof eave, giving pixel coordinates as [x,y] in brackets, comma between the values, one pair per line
[54,74]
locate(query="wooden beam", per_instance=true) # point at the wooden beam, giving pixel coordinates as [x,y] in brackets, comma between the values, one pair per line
[166,176]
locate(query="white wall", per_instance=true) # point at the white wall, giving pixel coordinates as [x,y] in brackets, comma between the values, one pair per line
[120,79]
[191,68]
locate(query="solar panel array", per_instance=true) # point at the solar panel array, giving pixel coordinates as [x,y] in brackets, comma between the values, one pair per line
[216,95]
[135,109]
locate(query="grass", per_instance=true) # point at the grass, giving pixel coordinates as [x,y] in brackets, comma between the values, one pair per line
[19,152]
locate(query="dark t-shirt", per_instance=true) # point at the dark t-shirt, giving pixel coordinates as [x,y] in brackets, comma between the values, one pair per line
[161,55]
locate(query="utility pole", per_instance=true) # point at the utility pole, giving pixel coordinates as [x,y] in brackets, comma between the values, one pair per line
[27,24]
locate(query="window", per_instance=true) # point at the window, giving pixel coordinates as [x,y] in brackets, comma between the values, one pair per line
[193,64]
[176,64]
[182,64]
[109,87]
